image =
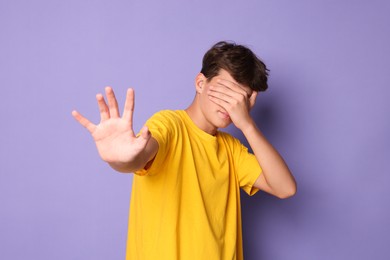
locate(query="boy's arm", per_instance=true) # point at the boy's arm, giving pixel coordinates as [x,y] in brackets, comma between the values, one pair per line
[114,136]
[142,161]
[276,178]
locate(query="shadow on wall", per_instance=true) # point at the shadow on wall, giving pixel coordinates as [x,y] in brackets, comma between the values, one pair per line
[266,218]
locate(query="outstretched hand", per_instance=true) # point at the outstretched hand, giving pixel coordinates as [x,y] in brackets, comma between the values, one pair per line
[114,135]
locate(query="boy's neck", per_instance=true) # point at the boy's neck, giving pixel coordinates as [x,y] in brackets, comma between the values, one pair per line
[196,115]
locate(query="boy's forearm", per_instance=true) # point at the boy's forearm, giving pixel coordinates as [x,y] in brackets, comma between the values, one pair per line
[141,161]
[128,167]
[276,172]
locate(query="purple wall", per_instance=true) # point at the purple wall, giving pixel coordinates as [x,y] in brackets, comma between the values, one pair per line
[326,111]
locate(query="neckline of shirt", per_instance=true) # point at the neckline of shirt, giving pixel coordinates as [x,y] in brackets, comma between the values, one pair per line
[195,128]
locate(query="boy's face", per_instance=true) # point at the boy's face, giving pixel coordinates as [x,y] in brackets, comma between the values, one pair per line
[214,115]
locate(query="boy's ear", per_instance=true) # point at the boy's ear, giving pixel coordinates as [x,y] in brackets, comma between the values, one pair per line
[200,82]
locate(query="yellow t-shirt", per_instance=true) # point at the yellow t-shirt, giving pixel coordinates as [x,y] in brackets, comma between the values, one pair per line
[187,204]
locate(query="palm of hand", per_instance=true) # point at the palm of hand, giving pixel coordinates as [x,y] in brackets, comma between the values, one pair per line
[115,141]
[114,135]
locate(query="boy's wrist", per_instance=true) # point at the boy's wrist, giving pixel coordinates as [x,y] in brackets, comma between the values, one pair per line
[249,128]
[248,125]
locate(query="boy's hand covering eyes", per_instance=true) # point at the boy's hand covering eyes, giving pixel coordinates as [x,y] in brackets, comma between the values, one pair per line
[235,99]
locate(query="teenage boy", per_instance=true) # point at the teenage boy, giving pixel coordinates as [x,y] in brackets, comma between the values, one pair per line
[185,201]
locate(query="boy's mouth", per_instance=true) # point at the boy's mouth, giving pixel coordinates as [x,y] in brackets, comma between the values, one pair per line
[223,114]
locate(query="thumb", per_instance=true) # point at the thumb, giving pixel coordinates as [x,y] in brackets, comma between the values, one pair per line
[145,133]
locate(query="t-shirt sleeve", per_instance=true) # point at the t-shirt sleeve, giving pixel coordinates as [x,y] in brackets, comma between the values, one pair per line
[247,168]
[160,127]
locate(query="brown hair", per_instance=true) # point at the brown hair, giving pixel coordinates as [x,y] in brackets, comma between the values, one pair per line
[242,64]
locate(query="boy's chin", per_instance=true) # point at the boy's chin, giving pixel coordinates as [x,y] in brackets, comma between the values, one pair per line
[224,124]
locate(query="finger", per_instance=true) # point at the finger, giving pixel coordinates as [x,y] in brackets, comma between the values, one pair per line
[235,92]
[232,86]
[129,106]
[252,99]
[228,82]
[83,121]
[112,103]
[236,87]
[103,108]
[221,103]
[214,92]
[231,97]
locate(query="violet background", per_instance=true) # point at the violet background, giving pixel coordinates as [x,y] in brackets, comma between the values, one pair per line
[326,111]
